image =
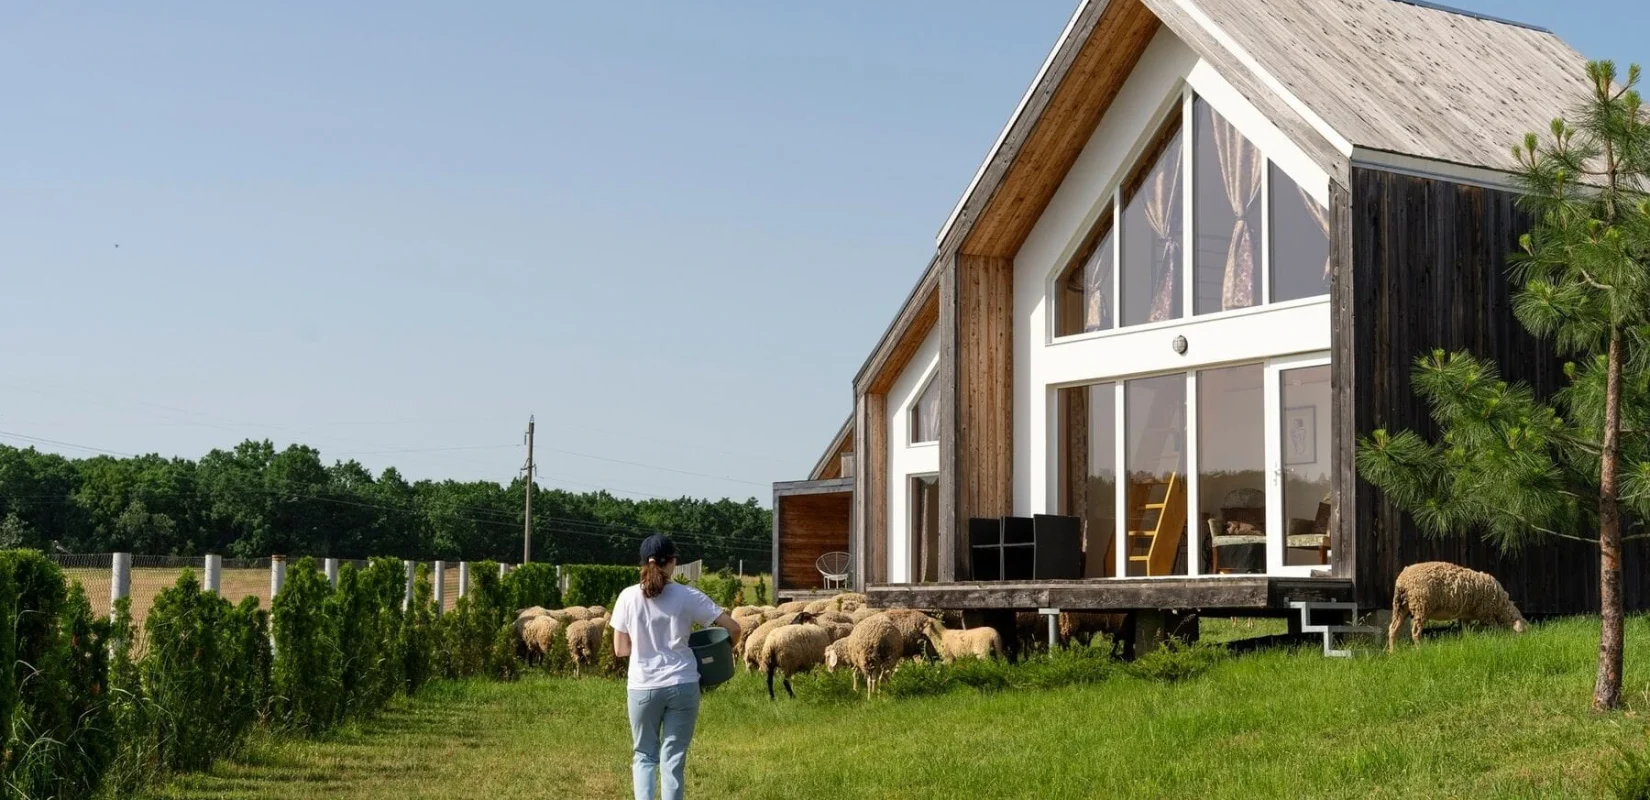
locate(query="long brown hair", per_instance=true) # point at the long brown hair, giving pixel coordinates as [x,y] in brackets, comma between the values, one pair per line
[655,577]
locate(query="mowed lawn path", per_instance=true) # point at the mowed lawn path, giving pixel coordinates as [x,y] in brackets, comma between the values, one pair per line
[1479,715]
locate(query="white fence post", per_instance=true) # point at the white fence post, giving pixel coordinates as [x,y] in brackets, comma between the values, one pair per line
[463,579]
[277,577]
[503,570]
[438,583]
[214,574]
[412,571]
[120,579]
[331,567]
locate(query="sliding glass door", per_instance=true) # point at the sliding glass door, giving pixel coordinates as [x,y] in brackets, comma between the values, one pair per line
[1221,471]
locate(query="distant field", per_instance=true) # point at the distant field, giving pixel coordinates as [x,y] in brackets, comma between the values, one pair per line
[1477,715]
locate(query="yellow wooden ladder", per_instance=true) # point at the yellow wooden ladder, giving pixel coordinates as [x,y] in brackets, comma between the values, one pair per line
[1161,524]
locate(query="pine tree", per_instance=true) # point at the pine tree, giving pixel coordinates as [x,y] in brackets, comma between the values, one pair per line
[1518,468]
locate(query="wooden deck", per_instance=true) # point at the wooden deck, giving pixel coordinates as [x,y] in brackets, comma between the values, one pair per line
[1233,593]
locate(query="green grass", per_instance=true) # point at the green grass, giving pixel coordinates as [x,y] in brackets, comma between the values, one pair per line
[1483,714]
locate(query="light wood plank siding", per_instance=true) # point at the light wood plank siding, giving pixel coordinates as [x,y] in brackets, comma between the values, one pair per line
[1105,44]
[982,456]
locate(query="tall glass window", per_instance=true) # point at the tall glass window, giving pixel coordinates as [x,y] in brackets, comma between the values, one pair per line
[1156,463]
[1304,401]
[1226,172]
[1231,468]
[1300,241]
[1088,463]
[1153,238]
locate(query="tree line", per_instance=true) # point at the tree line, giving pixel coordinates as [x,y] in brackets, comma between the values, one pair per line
[255,500]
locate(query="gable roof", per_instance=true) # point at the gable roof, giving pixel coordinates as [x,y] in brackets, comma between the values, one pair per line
[1409,77]
[1396,76]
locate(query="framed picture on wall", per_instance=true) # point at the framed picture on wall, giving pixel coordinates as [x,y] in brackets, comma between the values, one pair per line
[1300,435]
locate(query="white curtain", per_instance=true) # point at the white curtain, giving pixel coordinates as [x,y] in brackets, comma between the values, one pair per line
[1097,275]
[1162,193]
[1240,165]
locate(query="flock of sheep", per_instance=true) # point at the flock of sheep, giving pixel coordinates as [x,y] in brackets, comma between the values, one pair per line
[536,630]
[845,632]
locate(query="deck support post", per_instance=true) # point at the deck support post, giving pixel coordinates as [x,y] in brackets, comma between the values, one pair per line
[1053,615]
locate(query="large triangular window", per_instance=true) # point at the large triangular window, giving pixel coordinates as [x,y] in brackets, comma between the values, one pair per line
[1256,236]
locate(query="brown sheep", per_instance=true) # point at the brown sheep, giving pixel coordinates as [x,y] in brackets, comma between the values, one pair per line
[1443,591]
[972,643]
[915,641]
[751,645]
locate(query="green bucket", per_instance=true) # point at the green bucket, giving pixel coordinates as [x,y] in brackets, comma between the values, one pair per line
[713,652]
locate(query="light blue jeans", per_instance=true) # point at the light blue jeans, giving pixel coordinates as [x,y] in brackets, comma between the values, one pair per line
[661,727]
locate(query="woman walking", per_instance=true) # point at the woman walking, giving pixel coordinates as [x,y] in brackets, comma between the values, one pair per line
[651,623]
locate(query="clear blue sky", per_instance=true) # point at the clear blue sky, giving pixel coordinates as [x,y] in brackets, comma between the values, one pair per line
[672,230]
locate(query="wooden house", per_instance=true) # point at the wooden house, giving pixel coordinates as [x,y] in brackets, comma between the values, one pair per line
[1195,267]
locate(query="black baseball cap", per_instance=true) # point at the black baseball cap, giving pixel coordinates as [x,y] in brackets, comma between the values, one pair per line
[658,548]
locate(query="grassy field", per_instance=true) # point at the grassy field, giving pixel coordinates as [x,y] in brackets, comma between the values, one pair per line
[1483,714]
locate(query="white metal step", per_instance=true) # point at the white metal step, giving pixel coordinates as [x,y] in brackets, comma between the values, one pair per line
[1329,632]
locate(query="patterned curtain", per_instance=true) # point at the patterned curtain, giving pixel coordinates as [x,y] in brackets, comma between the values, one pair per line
[1240,165]
[1163,211]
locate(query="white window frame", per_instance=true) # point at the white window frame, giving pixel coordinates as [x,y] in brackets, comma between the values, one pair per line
[1182,101]
[1277,538]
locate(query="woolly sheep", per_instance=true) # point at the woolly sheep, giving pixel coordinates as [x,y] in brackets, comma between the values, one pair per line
[575,613]
[818,607]
[1443,591]
[584,641]
[538,634]
[598,611]
[871,650]
[860,614]
[833,618]
[971,643]
[915,641]
[837,630]
[790,649]
[793,607]
[751,647]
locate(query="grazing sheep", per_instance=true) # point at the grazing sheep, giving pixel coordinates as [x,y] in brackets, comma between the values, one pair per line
[1443,591]
[851,597]
[860,614]
[836,655]
[914,632]
[971,643]
[818,607]
[1083,626]
[833,617]
[584,642]
[871,650]
[751,647]
[837,630]
[598,611]
[793,607]
[790,649]
[538,634]
[576,613]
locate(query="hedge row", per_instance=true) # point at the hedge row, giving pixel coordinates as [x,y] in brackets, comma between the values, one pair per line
[598,585]
[80,717]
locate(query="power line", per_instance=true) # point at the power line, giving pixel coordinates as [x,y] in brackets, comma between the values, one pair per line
[654,466]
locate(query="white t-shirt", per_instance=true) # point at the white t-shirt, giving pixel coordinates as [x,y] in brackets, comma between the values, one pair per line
[658,630]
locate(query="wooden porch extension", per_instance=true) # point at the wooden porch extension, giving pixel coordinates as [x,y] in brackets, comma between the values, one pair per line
[1224,593]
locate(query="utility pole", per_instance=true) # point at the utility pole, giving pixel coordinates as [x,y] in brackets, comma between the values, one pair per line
[527,518]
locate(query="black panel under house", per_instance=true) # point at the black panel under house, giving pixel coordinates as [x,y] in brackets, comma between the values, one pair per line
[1044,547]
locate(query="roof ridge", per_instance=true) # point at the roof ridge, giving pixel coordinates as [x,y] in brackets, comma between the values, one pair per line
[1474,14]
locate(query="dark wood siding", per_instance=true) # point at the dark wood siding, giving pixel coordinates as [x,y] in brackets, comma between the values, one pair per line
[1430,271]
